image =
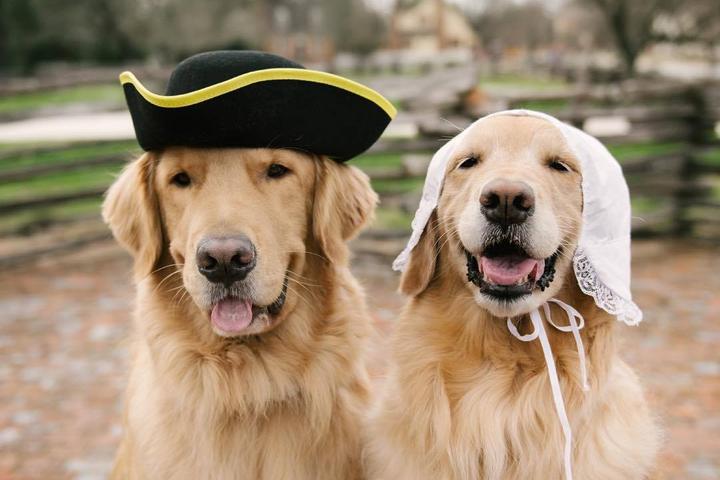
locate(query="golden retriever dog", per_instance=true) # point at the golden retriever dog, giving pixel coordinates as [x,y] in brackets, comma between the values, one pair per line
[249,329]
[466,400]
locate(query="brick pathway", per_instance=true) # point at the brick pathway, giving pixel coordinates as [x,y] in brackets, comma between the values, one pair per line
[63,358]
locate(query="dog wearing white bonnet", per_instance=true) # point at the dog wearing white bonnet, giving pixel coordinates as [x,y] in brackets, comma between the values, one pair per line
[505,363]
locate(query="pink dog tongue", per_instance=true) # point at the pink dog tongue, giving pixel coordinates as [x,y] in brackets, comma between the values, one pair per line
[232,315]
[511,269]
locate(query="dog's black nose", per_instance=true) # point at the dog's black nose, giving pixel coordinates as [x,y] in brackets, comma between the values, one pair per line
[507,202]
[225,259]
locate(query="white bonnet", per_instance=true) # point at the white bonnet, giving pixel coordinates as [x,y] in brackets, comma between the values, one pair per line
[602,259]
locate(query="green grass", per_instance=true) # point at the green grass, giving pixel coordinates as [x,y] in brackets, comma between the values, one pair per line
[521,82]
[378,160]
[17,221]
[642,205]
[57,183]
[403,185]
[77,152]
[64,181]
[105,93]
[636,150]
[391,219]
[18,146]
[711,157]
[716,187]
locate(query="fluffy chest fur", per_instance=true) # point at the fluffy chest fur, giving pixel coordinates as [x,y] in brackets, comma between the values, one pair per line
[282,406]
[466,400]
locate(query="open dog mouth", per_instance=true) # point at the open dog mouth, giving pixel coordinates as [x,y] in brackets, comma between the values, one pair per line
[505,271]
[233,315]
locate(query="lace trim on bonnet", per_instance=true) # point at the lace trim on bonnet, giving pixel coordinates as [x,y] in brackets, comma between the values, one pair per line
[626,311]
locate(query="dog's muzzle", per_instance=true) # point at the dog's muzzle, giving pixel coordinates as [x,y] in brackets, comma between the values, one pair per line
[505,271]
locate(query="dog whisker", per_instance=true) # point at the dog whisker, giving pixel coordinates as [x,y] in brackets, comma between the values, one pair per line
[166,278]
[451,124]
[305,252]
[177,292]
[182,297]
[449,231]
[447,240]
[167,266]
[175,289]
[300,284]
[301,297]
[297,275]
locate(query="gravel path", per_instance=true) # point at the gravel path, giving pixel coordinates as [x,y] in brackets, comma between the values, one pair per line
[63,357]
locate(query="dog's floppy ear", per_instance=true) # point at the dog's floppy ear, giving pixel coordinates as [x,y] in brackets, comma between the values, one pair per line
[420,267]
[131,210]
[343,203]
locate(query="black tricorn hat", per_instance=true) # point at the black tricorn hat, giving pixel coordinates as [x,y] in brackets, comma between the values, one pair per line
[257,100]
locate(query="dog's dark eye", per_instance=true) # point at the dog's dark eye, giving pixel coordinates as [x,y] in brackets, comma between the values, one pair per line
[559,166]
[276,170]
[468,162]
[181,179]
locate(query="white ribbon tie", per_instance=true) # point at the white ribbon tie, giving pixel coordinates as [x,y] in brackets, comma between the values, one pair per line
[576,323]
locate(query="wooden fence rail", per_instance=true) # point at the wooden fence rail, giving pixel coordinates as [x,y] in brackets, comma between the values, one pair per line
[15,206]
[682,185]
[27,173]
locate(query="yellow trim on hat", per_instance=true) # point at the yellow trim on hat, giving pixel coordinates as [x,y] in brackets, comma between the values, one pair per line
[212,91]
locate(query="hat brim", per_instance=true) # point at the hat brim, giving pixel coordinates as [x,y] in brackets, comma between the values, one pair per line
[308,110]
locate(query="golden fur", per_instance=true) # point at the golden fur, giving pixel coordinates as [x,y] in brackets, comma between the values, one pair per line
[466,400]
[284,402]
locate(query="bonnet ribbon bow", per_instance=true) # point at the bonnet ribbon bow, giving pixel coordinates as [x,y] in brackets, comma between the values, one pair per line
[576,323]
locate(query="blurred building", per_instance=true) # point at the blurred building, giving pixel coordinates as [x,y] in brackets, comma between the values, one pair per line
[430,25]
[296,30]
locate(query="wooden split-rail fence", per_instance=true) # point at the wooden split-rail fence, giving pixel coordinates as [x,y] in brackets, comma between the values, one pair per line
[682,186]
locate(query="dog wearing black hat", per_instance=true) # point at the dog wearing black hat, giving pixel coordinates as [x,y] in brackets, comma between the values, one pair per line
[249,328]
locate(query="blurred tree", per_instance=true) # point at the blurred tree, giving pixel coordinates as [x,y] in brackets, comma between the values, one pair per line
[174,29]
[18,19]
[511,24]
[163,31]
[350,24]
[631,24]
[353,26]
[635,25]
[697,22]
[110,42]
[35,31]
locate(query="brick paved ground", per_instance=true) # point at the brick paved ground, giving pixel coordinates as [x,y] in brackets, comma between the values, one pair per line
[63,357]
